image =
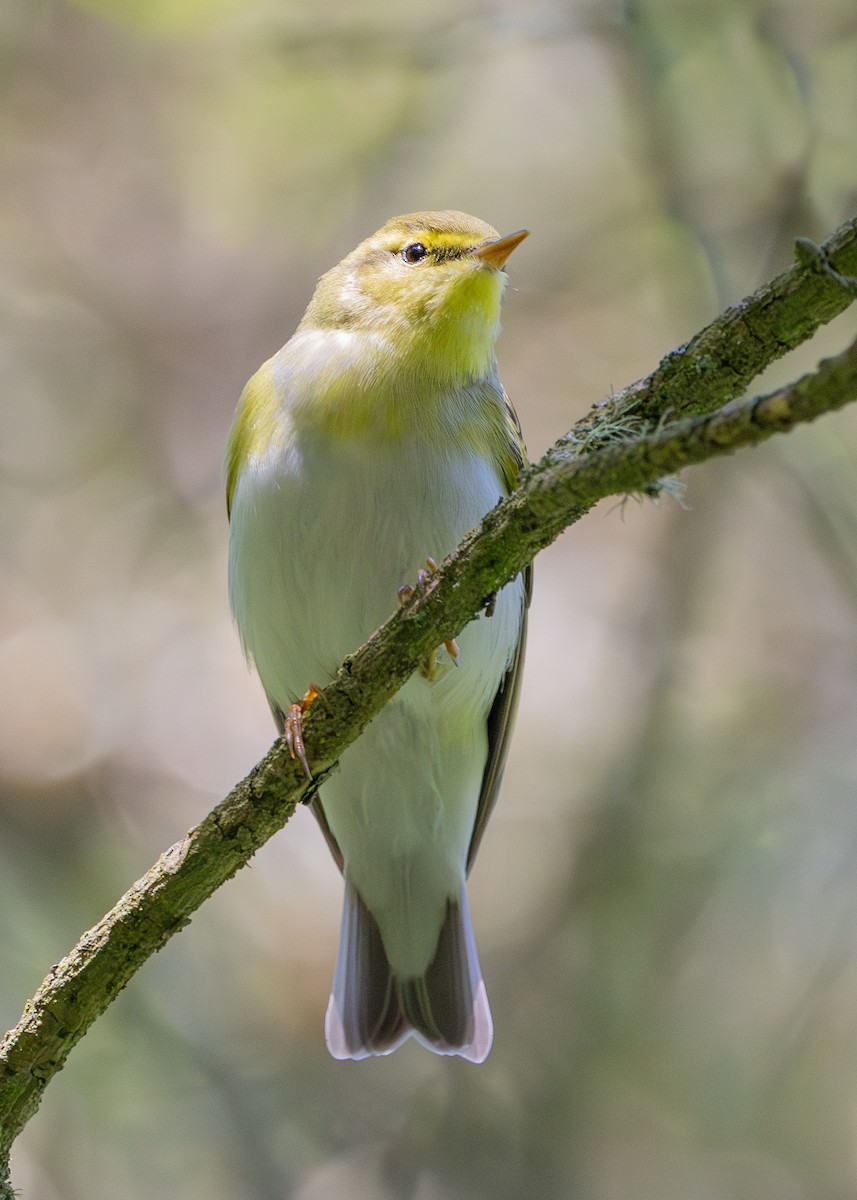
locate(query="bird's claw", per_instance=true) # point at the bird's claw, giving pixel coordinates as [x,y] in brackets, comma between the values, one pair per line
[423,585]
[293,727]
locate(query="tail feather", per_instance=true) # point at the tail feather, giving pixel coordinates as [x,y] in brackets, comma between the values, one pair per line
[375,1023]
[372,1010]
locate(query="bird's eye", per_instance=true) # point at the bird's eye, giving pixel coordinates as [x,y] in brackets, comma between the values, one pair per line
[414,252]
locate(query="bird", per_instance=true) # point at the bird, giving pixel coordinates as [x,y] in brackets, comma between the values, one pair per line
[365,448]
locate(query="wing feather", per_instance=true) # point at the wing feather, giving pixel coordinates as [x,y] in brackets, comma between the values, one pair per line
[501,719]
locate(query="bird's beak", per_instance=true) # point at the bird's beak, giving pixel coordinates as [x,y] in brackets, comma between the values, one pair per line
[496,253]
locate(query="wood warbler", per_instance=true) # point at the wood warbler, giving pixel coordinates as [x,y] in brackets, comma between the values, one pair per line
[377,437]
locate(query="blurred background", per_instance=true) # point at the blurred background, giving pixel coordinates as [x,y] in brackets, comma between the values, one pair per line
[666,902]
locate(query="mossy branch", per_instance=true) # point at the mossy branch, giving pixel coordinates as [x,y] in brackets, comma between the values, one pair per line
[670,420]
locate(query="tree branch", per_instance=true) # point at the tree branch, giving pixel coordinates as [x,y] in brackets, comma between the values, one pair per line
[620,447]
[721,361]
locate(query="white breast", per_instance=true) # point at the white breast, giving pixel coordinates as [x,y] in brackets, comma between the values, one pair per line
[322,536]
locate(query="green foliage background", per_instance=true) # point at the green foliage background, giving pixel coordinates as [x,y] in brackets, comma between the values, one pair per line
[667,900]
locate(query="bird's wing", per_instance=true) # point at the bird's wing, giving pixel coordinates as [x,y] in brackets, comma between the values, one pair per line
[501,719]
[254,426]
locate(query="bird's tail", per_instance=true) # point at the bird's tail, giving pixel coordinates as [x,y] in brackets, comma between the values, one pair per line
[372,1010]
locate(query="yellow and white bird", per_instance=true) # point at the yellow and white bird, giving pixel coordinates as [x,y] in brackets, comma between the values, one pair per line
[376,438]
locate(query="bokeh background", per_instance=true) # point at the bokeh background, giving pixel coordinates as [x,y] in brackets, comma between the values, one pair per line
[666,903]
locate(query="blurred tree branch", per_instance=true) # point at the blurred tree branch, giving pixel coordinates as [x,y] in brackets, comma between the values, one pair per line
[673,418]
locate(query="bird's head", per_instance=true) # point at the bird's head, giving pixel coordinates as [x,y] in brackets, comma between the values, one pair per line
[429,285]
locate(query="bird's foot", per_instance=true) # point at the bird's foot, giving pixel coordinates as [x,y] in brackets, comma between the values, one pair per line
[423,586]
[293,727]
